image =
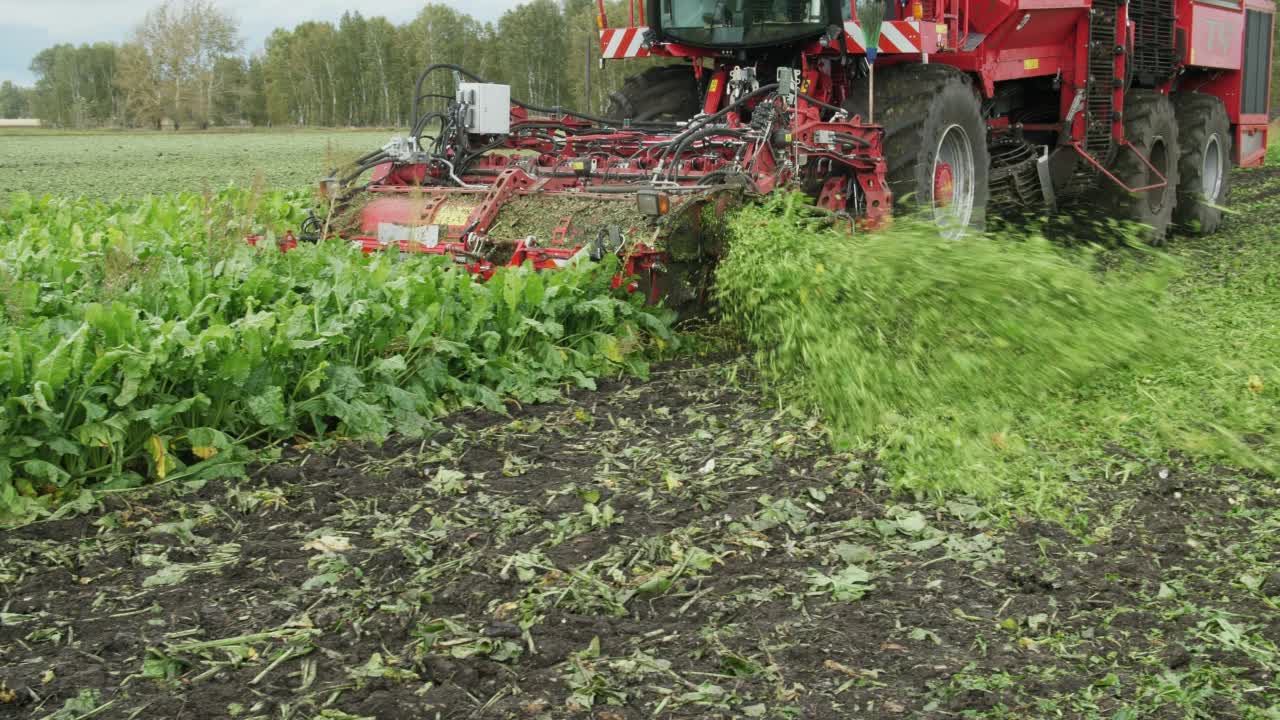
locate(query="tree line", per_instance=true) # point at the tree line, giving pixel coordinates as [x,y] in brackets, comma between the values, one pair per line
[185,65]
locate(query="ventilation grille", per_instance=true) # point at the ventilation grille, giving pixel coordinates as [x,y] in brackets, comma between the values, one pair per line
[1257,52]
[1154,53]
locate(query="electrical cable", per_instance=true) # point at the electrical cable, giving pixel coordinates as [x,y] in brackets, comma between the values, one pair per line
[555,110]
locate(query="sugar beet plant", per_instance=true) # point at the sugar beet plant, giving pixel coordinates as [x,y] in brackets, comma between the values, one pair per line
[144,341]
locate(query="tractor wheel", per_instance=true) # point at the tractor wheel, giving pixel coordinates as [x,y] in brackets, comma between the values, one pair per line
[668,93]
[1204,167]
[935,142]
[1151,125]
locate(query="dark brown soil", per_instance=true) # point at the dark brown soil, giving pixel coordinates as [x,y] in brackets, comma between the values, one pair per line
[674,548]
[478,575]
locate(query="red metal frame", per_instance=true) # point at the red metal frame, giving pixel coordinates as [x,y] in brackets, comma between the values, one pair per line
[995,41]
[1163,182]
[1020,39]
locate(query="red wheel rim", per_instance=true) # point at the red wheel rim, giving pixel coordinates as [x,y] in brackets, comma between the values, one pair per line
[943,185]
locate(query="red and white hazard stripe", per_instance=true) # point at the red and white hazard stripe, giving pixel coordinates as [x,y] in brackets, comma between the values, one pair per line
[616,43]
[899,36]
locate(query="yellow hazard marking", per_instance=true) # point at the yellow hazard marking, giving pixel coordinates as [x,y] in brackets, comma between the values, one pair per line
[1031,64]
[715,83]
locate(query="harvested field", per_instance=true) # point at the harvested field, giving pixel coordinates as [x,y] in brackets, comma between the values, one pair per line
[671,548]
[687,547]
[113,164]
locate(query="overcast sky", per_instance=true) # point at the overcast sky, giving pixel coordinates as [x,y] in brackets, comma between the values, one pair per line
[29,26]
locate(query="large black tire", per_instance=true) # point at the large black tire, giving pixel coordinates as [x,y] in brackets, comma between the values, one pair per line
[667,93]
[1204,165]
[1151,125]
[917,105]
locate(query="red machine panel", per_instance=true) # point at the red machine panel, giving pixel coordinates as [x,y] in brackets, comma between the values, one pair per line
[1216,33]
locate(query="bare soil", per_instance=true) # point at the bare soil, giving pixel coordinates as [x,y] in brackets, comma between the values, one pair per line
[675,548]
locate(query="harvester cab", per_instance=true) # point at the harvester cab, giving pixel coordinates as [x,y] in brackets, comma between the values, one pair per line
[743,24]
[950,108]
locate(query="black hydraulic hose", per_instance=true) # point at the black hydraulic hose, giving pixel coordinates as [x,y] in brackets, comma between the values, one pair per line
[417,87]
[698,123]
[368,164]
[421,123]
[852,138]
[474,155]
[681,139]
[358,161]
[819,103]
[703,133]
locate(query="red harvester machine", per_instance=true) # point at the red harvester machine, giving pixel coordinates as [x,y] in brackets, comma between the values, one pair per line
[962,107]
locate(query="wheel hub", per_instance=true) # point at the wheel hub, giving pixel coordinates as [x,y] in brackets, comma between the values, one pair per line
[944,184]
[1211,171]
[954,182]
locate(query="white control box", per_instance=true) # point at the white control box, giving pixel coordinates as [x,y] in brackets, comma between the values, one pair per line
[488,107]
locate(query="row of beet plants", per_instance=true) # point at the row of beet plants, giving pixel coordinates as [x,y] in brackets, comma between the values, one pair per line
[144,341]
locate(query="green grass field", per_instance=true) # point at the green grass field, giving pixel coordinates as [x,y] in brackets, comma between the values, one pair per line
[112,164]
[691,544]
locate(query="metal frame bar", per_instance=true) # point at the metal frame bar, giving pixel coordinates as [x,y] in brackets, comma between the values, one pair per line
[1164,182]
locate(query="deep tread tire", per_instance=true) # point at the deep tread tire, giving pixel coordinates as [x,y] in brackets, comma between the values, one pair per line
[667,93]
[1149,122]
[1201,118]
[915,104]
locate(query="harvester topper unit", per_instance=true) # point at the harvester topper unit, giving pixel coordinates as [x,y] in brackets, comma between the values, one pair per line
[954,108]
